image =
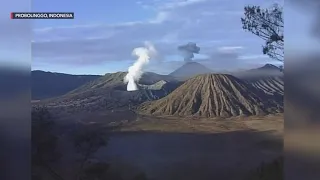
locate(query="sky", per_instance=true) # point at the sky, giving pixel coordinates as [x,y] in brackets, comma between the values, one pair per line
[103,35]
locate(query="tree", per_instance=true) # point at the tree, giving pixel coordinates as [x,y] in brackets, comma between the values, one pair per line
[268,25]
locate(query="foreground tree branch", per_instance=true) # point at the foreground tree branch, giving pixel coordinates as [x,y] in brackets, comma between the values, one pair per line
[268,25]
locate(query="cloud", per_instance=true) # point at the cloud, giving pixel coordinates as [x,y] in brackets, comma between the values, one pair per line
[179,3]
[230,48]
[176,22]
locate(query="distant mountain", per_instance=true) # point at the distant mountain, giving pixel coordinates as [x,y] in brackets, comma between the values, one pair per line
[214,95]
[265,71]
[49,84]
[269,67]
[190,69]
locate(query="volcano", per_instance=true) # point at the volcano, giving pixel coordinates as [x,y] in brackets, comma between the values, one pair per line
[214,95]
[190,69]
[270,67]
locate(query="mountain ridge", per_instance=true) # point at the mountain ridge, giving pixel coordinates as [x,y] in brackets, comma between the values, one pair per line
[46,84]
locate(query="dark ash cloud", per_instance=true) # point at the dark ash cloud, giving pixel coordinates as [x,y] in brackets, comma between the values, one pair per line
[188,51]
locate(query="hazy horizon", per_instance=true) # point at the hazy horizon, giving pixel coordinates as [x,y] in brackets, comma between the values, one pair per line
[214,71]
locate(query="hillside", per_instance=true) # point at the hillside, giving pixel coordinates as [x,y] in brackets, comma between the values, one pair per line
[108,79]
[48,84]
[189,70]
[109,93]
[107,99]
[112,79]
[214,95]
[270,84]
[268,78]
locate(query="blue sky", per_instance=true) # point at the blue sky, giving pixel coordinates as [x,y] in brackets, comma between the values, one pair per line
[103,34]
[91,12]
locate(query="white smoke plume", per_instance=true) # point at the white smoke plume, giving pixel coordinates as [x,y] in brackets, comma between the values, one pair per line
[136,70]
[188,51]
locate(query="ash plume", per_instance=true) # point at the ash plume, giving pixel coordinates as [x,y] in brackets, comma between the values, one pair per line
[188,51]
[136,70]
